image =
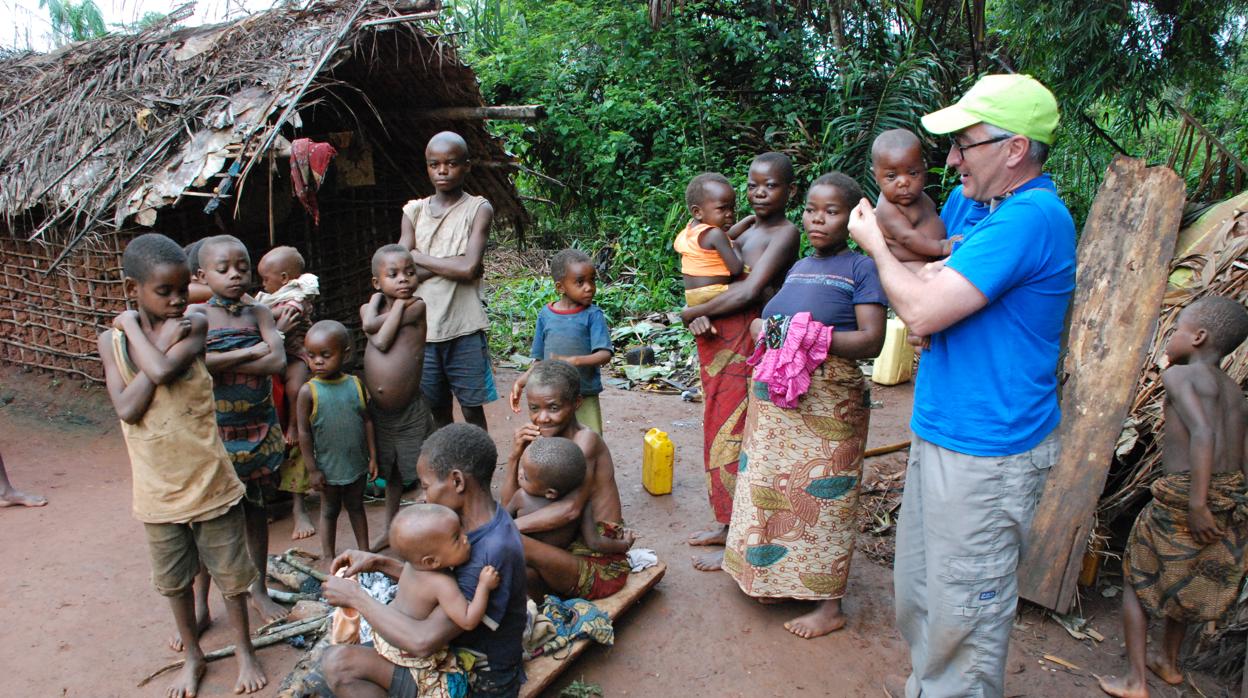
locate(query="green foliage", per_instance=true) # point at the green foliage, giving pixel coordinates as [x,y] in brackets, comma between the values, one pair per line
[580,689]
[74,21]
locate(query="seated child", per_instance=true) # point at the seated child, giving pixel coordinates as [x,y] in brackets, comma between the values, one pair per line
[1185,556]
[185,490]
[907,216]
[708,260]
[580,569]
[243,350]
[335,434]
[574,330]
[394,322]
[431,539]
[289,291]
[550,468]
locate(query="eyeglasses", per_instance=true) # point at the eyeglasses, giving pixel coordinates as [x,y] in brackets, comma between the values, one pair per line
[953,143]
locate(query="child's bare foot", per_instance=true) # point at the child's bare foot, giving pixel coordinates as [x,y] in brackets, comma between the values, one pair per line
[303,527]
[709,562]
[175,640]
[826,618]
[715,536]
[251,676]
[1163,669]
[268,609]
[1123,687]
[187,683]
[18,498]
[381,542]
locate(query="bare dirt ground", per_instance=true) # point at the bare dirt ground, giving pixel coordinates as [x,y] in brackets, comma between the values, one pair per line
[81,618]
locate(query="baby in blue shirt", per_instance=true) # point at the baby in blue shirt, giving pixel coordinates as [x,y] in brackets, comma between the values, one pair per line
[574,330]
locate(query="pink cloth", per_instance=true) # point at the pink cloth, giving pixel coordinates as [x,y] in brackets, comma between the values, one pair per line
[786,370]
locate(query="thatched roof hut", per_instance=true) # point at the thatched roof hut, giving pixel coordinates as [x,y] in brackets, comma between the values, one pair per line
[103,140]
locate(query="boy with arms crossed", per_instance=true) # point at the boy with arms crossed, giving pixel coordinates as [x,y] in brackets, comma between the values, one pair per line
[446,234]
[394,322]
[185,490]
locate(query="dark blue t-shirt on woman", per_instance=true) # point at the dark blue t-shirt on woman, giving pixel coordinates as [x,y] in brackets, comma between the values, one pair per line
[828,288]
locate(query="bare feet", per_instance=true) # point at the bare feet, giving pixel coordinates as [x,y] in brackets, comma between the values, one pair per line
[205,622]
[251,676]
[709,562]
[268,609]
[1164,670]
[303,526]
[381,542]
[187,683]
[826,618]
[715,536]
[1123,688]
[768,600]
[18,498]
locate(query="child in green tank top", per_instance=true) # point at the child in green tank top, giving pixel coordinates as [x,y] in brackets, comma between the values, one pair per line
[335,434]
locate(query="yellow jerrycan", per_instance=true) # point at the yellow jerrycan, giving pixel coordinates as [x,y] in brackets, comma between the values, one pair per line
[656,462]
[895,364]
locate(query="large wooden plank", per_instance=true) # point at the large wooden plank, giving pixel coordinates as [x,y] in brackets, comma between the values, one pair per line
[543,671]
[1124,256]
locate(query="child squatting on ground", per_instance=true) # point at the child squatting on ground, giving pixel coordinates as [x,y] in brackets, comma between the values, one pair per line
[186,492]
[906,215]
[335,434]
[708,260]
[574,330]
[1185,557]
[394,322]
[593,566]
[290,291]
[244,350]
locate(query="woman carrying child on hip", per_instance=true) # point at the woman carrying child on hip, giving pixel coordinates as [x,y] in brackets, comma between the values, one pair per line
[793,516]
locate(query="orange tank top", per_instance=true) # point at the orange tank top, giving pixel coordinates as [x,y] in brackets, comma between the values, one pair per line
[695,261]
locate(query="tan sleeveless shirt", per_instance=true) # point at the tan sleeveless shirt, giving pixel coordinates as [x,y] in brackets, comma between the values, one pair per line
[452,308]
[180,468]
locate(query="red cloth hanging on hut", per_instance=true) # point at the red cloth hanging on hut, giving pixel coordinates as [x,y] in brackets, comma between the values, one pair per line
[309,161]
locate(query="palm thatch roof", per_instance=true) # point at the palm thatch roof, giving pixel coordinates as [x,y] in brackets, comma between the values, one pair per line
[185,131]
[102,134]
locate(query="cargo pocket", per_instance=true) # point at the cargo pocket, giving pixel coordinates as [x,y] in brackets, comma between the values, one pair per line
[979,581]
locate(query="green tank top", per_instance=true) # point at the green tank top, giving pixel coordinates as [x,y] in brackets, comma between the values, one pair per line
[338,433]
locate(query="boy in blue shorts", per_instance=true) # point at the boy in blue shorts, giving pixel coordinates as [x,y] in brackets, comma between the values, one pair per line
[574,330]
[446,234]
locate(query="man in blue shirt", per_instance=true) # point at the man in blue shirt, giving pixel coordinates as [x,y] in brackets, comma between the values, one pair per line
[985,400]
[456,465]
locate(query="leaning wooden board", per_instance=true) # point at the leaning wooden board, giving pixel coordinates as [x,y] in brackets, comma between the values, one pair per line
[1123,259]
[543,671]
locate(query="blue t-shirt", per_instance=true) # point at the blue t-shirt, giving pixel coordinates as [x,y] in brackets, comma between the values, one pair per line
[499,635]
[577,333]
[988,384]
[829,288]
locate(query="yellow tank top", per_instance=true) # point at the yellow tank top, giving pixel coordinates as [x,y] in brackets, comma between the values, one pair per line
[180,469]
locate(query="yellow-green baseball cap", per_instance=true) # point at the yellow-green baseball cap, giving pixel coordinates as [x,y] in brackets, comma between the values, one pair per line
[1016,103]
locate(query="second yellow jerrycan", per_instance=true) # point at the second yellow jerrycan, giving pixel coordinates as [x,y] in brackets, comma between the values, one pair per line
[895,364]
[656,462]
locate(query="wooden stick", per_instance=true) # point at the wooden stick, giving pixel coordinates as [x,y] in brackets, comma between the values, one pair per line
[290,560]
[280,634]
[881,450]
[527,112]
[400,19]
[289,596]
